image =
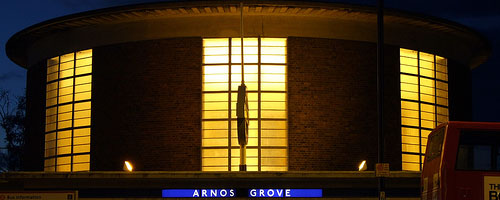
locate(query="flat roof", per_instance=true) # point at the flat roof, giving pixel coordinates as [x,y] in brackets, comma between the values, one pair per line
[402,28]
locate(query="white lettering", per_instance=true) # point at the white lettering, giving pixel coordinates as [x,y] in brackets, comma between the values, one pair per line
[213,193]
[270,193]
[253,192]
[196,194]
[223,193]
[287,193]
[203,193]
[231,193]
[261,193]
[280,192]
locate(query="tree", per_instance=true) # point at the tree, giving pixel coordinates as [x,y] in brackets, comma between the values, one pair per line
[12,121]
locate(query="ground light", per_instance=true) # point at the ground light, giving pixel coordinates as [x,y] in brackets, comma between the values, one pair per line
[362,166]
[128,166]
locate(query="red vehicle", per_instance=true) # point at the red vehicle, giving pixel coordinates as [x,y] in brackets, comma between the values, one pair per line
[462,162]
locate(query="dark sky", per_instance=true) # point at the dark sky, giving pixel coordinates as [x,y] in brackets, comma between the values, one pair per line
[481,15]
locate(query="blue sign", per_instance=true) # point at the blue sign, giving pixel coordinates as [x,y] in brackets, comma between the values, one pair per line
[206,193]
[218,193]
[285,193]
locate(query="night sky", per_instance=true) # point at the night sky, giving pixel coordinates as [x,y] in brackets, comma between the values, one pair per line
[480,15]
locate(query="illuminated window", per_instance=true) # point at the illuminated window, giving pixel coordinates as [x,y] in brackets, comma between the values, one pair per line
[424,102]
[265,78]
[67,122]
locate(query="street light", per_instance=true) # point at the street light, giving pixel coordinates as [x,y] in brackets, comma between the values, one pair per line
[127,166]
[362,166]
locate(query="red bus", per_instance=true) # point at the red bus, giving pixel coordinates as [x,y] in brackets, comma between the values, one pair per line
[462,162]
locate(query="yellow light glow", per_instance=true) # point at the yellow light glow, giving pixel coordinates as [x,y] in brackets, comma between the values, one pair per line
[65,85]
[128,166]
[362,166]
[265,78]
[424,101]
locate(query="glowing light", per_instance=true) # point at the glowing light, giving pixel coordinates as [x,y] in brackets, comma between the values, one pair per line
[222,75]
[69,80]
[424,102]
[362,166]
[128,166]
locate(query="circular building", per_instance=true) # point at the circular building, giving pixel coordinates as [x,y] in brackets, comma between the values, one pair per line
[157,85]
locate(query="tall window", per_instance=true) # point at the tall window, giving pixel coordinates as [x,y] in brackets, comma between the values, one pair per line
[67,122]
[424,102]
[265,78]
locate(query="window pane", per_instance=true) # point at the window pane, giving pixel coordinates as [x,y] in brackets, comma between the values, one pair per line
[81,140]
[215,59]
[84,54]
[215,42]
[52,69]
[62,90]
[67,57]
[83,88]
[273,86]
[273,69]
[83,79]
[82,114]
[216,134]
[83,96]
[64,134]
[81,167]
[53,61]
[81,159]
[63,168]
[66,83]
[83,62]
[81,148]
[216,69]
[425,93]
[82,122]
[273,59]
[273,78]
[81,132]
[66,66]
[83,70]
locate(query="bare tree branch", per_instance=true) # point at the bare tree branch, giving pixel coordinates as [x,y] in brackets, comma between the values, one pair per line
[12,121]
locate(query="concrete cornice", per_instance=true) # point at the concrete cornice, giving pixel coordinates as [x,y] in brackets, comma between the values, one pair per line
[157,180]
[204,175]
[18,47]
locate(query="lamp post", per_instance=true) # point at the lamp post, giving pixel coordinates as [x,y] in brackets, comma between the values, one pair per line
[242,105]
[380,91]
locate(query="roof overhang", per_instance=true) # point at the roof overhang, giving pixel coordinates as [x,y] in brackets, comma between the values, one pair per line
[261,18]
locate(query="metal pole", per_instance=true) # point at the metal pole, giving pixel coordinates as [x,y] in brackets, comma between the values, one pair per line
[241,34]
[243,148]
[380,90]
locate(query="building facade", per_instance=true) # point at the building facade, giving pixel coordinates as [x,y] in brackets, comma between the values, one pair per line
[156,85]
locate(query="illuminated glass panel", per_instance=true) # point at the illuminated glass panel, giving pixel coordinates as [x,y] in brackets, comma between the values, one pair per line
[424,102]
[68,111]
[265,78]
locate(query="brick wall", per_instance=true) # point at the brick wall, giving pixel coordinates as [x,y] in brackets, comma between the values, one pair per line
[332,104]
[146,105]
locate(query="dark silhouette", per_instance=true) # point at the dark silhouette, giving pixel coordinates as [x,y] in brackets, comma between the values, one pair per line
[12,121]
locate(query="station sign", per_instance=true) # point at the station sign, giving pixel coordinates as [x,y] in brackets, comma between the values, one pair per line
[491,187]
[42,195]
[285,193]
[227,193]
[205,193]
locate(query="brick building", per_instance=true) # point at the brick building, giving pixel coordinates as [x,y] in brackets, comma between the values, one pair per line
[156,85]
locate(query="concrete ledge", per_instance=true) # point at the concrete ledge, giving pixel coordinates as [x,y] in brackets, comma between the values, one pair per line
[202,175]
[156,180]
